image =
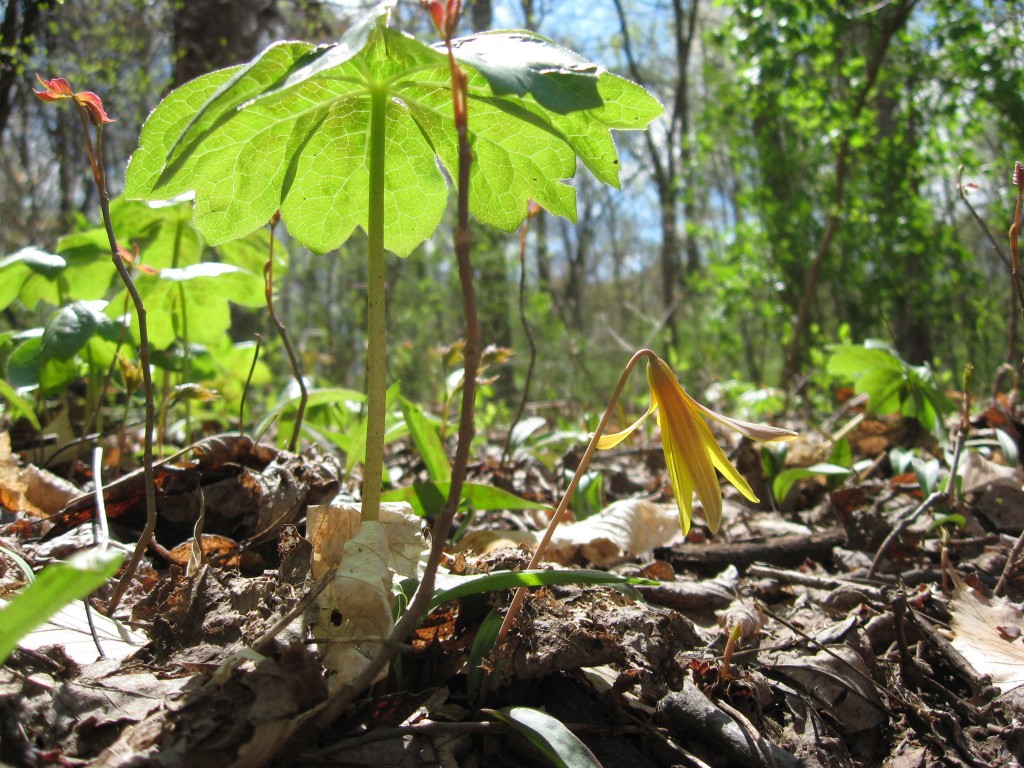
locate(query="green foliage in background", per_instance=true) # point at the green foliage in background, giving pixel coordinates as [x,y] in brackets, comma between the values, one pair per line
[891,384]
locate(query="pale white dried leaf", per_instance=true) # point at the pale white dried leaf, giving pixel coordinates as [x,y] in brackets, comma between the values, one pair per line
[621,529]
[979,471]
[985,637]
[351,618]
[354,615]
[742,613]
[331,525]
[70,628]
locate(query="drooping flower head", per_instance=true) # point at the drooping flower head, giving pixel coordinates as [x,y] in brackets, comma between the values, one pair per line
[691,452]
[59,89]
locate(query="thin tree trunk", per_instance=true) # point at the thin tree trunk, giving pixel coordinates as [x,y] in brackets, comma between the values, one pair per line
[212,34]
[22,19]
[895,19]
[669,158]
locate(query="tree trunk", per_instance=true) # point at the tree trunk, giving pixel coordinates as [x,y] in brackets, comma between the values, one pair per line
[482,14]
[18,27]
[213,34]
[893,18]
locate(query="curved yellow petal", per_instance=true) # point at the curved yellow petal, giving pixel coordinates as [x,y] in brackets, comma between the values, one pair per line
[686,439]
[722,463]
[610,441]
[678,475]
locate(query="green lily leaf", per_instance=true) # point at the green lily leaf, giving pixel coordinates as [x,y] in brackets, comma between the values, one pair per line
[331,397]
[427,499]
[54,587]
[560,745]
[785,479]
[427,441]
[483,644]
[478,584]
[288,132]
[19,405]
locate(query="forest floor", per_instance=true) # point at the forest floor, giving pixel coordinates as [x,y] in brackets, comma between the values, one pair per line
[851,647]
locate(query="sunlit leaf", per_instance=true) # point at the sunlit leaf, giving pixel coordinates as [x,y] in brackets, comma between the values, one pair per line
[288,132]
[463,586]
[193,302]
[785,479]
[55,586]
[427,441]
[560,745]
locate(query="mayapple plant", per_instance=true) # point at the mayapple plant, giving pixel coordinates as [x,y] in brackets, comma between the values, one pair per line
[362,133]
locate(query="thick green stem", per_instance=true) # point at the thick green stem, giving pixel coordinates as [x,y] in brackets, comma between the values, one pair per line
[376,331]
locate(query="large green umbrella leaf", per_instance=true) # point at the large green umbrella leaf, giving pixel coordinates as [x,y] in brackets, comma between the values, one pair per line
[520,63]
[289,132]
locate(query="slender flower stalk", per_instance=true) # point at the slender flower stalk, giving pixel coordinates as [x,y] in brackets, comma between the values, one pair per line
[91,113]
[691,451]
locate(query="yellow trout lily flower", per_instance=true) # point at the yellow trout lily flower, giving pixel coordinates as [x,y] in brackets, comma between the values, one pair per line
[691,451]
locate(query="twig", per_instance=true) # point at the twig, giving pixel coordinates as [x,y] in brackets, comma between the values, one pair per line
[248,381]
[1014,234]
[268,283]
[981,685]
[101,530]
[1018,545]
[979,221]
[433,727]
[523,230]
[97,163]
[100,535]
[936,497]
[912,672]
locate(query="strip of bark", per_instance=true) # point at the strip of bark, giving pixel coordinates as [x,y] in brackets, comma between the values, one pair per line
[782,551]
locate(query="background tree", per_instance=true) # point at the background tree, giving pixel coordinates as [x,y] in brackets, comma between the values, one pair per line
[801,187]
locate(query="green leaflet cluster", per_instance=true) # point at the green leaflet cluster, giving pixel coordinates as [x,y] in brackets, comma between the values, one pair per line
[289,132]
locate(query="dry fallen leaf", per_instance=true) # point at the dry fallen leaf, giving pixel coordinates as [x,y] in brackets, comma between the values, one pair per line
[70,628]
[979,472]
[745,614]
[29,489]
[988,635]
[352,617]
[621,529]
